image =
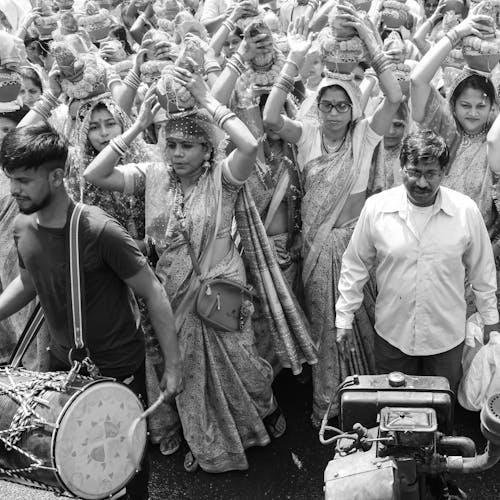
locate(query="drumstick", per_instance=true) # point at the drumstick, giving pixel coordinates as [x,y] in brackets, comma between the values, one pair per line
[132,450]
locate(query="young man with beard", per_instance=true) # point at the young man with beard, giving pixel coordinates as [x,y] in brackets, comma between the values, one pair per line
[34,160]
[423,241]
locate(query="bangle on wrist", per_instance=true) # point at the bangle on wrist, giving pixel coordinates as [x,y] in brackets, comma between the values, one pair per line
[229,25]
[453,36]
[119,146]
[294,64]
[46,104]
[132,80]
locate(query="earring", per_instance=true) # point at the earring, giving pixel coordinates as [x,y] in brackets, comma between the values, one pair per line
[206,165]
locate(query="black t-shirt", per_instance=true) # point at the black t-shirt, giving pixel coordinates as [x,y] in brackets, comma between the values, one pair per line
[110,255]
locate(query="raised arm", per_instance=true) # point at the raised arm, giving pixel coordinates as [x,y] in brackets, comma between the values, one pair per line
[242,9]
[241,161]
[419,38]
[274,117]
[424,71]
[223,87]
[102,170]
[382,118]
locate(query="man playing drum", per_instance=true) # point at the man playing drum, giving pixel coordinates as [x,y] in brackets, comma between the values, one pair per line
[34,160]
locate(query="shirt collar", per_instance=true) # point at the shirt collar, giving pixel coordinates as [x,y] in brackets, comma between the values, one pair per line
[398,202]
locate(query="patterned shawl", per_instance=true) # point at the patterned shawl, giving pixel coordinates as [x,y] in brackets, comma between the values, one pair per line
[128,210]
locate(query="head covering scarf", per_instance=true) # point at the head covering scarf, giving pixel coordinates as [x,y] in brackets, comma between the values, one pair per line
[82,153]
[347,83]
[465,73]
[14,11]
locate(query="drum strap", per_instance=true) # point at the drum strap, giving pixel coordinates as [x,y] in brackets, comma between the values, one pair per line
[80,353]
[76,278]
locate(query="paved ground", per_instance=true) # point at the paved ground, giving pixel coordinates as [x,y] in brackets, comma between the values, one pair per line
[291,468]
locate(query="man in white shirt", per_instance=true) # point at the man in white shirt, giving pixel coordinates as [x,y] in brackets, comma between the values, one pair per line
[422,239]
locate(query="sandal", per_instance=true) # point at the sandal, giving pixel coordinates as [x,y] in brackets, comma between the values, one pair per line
[275,423]
[169,445]
[190,462]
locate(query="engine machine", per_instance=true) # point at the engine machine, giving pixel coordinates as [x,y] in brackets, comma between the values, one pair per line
[396,442]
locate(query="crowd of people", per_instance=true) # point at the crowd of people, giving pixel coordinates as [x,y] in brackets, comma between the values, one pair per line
[277,184]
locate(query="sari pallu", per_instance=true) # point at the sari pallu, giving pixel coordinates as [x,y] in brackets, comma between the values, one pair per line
[328,184]
[227,387]
[287,326]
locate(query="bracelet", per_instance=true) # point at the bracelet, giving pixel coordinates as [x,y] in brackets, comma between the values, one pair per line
[381,63]
[231,65]
[222,114]
[132,80]
[212,67]
[229,25]
[238,60]
[287,81]
[225,118]
[119,146]
[453,37]
[293,63]
[314,5]
[143,18]
[46,104]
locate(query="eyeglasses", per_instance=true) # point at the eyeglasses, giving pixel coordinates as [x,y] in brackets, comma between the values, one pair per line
[340,107]
[430,175]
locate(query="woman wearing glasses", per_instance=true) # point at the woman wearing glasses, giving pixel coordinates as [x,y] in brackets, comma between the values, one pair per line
[334,153]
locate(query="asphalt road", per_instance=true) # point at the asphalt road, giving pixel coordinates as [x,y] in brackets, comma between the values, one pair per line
[291,468]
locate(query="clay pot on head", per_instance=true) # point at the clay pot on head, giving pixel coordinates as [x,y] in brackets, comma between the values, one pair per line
[481,62]
[362,5]
[46,25]
[10,85]
[455,5]
[341,66]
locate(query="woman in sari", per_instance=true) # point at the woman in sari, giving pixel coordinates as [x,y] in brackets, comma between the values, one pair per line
[274,190]
[463,120]
[227,404]
[335,154]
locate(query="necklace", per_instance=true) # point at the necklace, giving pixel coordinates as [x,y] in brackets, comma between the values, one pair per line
[334,146]
[468,139]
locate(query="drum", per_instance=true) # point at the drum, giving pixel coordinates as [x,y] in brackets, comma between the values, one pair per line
[69,438]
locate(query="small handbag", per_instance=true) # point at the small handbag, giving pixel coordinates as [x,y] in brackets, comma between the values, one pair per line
[223,304]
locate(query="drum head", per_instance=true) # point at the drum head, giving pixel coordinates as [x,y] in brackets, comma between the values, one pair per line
[90,446]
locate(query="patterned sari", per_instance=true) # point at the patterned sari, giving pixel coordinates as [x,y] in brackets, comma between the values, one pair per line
[227,387]
[329,180]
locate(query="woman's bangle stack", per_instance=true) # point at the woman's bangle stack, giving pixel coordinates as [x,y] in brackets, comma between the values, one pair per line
[119,146]
[222,114]
[229,25]
[212,67]
[46,104]
[285,83]
[132,80]
[453,37]
[381,63]
[236,64]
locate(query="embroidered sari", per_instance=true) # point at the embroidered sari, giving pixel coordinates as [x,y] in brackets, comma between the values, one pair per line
[227,387]
[329,180]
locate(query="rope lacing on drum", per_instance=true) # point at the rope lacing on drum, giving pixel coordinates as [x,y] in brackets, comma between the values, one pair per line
[27,394]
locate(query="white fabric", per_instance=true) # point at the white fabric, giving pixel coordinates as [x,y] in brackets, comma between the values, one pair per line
[213,9]
[15,11]
[482,379]
[364,142]
[420,307]
[418,218]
